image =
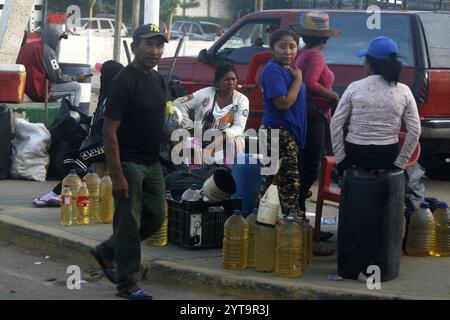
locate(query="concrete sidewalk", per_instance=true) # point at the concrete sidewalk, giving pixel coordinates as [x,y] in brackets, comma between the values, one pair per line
[39,229]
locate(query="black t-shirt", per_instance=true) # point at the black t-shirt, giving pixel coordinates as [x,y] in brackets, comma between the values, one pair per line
[138,101]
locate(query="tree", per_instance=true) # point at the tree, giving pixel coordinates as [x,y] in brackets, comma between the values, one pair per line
[168,8]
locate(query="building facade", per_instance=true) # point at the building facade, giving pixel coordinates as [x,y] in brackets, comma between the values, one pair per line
[210,8]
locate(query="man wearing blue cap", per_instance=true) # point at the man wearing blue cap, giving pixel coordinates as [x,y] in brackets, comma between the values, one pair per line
[132,130]
[375,108]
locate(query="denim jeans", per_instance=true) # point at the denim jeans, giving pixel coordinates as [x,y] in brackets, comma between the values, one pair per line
[70,90]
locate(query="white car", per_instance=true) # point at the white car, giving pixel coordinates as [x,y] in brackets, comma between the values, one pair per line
[101,27]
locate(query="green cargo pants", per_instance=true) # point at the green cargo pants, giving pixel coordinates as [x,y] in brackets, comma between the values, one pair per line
[135,219]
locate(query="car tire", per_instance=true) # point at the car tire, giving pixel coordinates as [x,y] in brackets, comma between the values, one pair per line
[437,166]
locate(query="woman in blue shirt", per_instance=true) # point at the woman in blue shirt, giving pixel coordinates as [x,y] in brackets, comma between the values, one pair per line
[285,111]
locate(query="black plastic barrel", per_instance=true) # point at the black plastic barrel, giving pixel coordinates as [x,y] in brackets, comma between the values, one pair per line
[371,218]
[5,141]
[74,69]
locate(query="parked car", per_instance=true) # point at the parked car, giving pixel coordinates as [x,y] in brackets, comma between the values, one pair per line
[423,38]
[101,27]
[201,30]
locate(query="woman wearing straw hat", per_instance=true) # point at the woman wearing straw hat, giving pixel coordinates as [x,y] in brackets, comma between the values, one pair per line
[319,79]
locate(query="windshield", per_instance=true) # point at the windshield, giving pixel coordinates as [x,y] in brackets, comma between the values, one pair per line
[253,33]
[210,28]
[356,36]
[438,38]
[176,25]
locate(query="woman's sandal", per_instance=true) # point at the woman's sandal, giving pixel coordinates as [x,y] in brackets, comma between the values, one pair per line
[322,249]
[135,294]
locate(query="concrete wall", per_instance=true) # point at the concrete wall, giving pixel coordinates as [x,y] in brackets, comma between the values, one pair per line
[218,9]
[74,49]
[13,23]
[36,14]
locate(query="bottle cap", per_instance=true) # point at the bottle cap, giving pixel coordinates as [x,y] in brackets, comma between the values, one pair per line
[289,219]
[425,204]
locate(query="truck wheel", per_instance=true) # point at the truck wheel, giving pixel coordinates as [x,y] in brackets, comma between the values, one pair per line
[437,166]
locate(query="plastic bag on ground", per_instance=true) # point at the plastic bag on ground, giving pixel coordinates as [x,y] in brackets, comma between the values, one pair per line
[30,145]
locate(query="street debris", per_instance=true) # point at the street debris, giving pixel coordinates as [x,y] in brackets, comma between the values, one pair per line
[334,277]
[329,221]
[50,279]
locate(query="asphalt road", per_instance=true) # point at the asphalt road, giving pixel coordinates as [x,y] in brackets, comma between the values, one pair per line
[27,275]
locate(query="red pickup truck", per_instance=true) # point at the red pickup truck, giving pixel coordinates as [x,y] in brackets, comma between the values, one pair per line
[424,43]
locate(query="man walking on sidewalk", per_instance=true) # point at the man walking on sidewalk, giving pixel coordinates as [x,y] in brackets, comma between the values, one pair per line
[132,131]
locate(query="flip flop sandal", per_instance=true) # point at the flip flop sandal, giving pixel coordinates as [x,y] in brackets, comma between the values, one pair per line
[139,294]
[110,273]
[39,203]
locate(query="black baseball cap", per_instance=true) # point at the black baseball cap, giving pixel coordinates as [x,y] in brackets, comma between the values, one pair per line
[147,31]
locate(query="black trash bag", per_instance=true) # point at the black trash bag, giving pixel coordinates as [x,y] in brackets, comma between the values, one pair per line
[167,165]
[67,133]
[180,180]
[5,141]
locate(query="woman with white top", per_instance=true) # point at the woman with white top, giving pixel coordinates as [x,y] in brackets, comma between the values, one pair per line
[219,107]
[375,109]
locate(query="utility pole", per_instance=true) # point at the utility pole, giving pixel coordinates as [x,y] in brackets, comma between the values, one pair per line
[259,5]
[118,30]
[135,15]
[151,11]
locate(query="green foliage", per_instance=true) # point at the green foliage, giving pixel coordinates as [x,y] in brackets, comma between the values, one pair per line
[188,4]
[167,7]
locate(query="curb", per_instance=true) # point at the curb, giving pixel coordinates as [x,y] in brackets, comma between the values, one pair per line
[68,246]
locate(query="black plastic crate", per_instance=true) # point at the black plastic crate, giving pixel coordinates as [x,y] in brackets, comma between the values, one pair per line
[192,226]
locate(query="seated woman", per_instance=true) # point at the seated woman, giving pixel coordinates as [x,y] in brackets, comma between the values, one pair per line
[219,107]
[375,108]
